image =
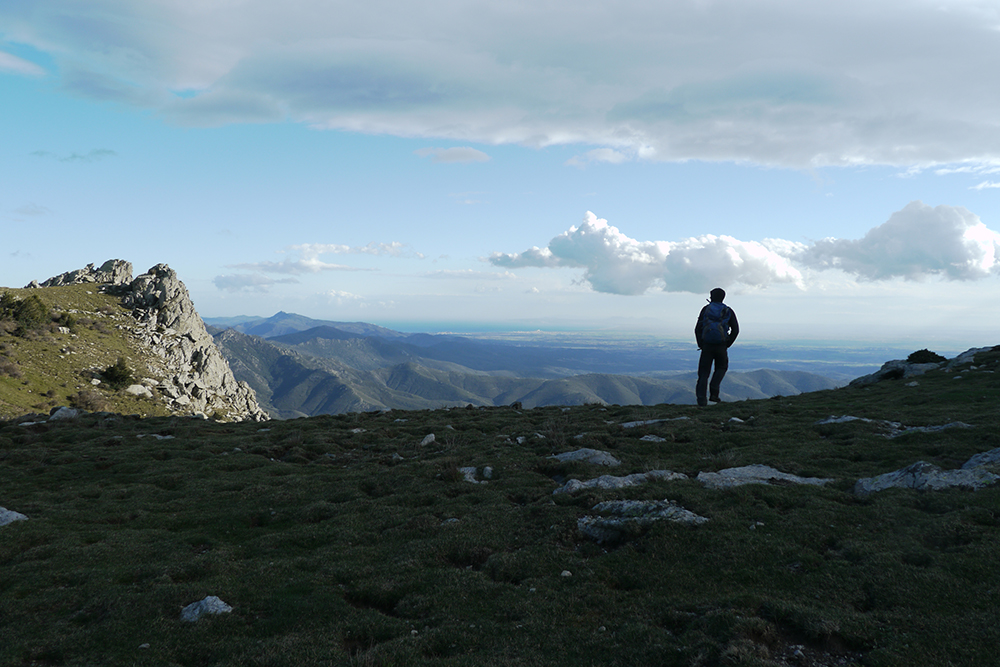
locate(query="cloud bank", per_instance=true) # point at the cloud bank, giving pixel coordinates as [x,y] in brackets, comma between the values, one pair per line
[783,82]
[916,242]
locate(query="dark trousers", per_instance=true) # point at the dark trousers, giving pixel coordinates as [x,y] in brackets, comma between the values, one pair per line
[719,355]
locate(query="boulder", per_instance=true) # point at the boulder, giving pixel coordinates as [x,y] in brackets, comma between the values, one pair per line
[925,476]
[610,482]
[208,605]
[10,516]
[628,516]
[754,474]
[594,456]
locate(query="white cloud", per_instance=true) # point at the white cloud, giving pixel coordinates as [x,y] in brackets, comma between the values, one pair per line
[305,257]
[915,243]
[470,274]
[248,283]
[783,82]
[985,185]
[617,264]
[461,155]
[608,155]
[13,64]
[93,155]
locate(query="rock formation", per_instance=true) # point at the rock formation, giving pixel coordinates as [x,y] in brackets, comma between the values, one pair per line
[112,272]
[192,375]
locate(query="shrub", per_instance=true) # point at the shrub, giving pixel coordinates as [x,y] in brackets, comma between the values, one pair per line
[925,356]
[118,375]
[29,313]
[8,367]
[90,400]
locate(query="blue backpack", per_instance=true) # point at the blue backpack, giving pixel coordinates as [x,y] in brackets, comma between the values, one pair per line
[715,323]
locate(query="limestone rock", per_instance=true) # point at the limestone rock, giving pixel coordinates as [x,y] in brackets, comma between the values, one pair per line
[632,516]
[209,605]
[594,456]
[113,272]
[754,474]
[64,412]
[199,380]
[609,482]
[925,476]
[10,516]
[991,457]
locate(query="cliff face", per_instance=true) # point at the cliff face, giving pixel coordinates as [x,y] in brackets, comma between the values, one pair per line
[193,377]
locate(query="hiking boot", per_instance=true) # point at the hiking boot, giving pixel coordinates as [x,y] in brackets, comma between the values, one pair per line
[715,399]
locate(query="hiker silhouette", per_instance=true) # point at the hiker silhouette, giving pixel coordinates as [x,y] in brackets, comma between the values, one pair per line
[715,331]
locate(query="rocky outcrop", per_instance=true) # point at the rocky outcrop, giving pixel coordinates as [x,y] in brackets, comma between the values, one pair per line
[754,474]
[899,369]
[10,516]
[198,378]
[622,517]
[189,371]
[924,476]
[112,272]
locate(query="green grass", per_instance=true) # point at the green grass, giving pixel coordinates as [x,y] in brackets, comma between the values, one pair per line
[53,367]
[337,547]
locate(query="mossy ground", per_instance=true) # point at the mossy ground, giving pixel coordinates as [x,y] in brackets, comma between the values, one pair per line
[341,540]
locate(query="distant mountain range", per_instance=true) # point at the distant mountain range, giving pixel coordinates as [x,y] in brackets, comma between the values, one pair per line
[303,367]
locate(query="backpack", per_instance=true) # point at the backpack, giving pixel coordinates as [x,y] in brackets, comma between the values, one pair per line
[715,323]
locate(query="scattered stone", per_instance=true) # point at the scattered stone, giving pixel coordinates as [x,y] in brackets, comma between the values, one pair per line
[611,482]
[925,476]
[754,474]
[469,474]
[139,390]
[652,438]
[632,515]
[594,456]
[982,459]
[566,574]
[428,439]
[208,605]
[64,412]
[488,472]
[10,516]
[156,436]
[895,429]
[649,422]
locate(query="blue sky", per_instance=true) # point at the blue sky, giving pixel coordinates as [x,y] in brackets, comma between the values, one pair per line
[538,165]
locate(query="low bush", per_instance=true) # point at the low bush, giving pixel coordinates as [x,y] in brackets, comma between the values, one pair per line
[118,375]
[925,356]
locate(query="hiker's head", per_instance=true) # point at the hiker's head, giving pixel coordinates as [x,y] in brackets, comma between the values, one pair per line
[718,295]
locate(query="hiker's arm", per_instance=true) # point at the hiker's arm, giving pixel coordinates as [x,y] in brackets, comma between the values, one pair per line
[734,327]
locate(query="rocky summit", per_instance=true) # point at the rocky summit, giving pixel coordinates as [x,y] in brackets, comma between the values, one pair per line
[187,370]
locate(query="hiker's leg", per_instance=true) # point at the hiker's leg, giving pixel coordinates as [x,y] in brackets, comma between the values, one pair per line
[704,370]
[721,357]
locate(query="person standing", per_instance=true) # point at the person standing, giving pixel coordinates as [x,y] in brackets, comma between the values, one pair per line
[715,331]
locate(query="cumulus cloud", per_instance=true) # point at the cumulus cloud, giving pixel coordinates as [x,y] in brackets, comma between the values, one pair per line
[725,80]
[614,263]
[462,155]
[915,243]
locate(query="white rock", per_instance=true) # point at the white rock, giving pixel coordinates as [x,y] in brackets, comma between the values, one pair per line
[982,459]
[428,439]
[208,605]
[594,456]
[10,516]
[139,390]
[652,438]
[753,474]
[633,514]
[64,413]
[925,476]
[611,482]
[469,474]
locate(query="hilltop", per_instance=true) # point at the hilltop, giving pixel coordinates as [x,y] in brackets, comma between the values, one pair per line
[96,339]
[866,533]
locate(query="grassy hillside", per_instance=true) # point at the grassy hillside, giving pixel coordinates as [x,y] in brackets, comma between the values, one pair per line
[342,540]
[43,367]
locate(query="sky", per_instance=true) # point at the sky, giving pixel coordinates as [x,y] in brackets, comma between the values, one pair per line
[544,165]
